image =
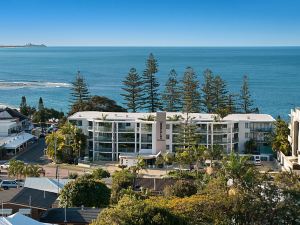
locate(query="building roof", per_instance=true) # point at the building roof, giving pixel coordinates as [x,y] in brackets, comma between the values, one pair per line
[46,184]
[34,198]
[73,215]
[17,219]
[12,142]
[156,184]
[13,113]
[92,115]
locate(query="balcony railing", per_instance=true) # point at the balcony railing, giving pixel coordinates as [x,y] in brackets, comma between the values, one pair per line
[103,129]
[147,129]
[126,139]
[253,129]
[126,149]
[102,149]
[126,129]
[146,139]
[90,127]
[103,138]
[221,130]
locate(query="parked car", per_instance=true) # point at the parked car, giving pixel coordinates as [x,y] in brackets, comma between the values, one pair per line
[4,165]
[257,162]
[6,184]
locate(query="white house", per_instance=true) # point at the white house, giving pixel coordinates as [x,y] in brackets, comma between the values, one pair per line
[125,135]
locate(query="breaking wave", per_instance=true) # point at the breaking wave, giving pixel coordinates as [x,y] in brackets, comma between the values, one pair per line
[32,84]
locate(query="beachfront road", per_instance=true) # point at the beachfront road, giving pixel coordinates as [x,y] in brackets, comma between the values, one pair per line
[34,154]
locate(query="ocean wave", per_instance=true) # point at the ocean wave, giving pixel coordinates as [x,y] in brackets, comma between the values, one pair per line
[32,84]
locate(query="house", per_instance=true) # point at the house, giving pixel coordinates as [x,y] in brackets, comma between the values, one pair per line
[38,195]
[125,136]
[18,219]
[71,216]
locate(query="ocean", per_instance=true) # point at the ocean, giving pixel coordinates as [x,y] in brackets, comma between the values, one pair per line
[274,72]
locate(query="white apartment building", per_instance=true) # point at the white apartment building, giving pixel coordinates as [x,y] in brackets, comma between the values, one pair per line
[293,161]
[123,135]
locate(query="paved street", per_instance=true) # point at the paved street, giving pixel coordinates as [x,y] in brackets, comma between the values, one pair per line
[34,154]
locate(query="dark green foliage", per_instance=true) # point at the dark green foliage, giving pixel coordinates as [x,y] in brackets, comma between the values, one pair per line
[41,104]
[190,92]
[151,100]
[246,102]
[79,92]
[100,173]
[133,95]
[73,175]
[207,90]
[279,138]
[131,211]
[172,93]
[46,114]
[25,109]
[219,94]
[250,147]
[121,180]
[97,103]
[87,192]
[231,104]
[181,188]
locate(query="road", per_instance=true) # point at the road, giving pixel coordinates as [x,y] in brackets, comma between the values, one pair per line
[35,154]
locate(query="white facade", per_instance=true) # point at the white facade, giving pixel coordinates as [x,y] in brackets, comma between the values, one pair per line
[294,136]
[111,134]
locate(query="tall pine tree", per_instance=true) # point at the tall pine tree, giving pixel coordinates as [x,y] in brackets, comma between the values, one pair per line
[207,90]
[190,92]
[151,100]
[246,102]
[41,104]
[219,93]
[79,92]
[133,95]
[172,95]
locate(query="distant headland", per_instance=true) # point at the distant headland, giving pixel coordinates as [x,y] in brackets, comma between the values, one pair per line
[29,45]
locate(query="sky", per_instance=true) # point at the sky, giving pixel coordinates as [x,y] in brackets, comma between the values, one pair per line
[150,22]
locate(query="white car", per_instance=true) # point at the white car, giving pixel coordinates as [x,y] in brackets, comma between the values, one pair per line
[257,162]
[6,184]
[4,165]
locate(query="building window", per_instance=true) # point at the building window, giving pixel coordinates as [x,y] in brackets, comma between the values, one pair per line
[167,147]
[127,124]
[246,125]
[167,136]
[167,126]
[246,135]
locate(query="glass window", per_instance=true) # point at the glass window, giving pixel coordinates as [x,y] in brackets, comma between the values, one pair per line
[247,125]
[246,135]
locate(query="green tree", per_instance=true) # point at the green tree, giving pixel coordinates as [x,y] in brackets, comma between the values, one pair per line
[15,168]
[121,180]
[246,103]
[79,92]
[219,90]
[133,87]
[231,103]
[172,93]
[181,189]
[97,103]
[100,173]
[41,104]
[279,138]
[207,90]
[250,146]
[83,191]
[136,212]
[151,100]
[190,92]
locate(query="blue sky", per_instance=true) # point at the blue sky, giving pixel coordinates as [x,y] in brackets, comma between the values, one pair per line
[150,22]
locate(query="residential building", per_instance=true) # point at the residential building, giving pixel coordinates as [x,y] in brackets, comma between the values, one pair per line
[292,162]
[124,135]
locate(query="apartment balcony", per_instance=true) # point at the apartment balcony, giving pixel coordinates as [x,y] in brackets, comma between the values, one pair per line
[266,130]
[103,139]
[235,130]
[126,150]
[126,139]
[221,141]
[90,128]
[201,130]
[146,140]
[221,130]
[126,129]
[234,140]
[103,129]
[102,149]
[146,129]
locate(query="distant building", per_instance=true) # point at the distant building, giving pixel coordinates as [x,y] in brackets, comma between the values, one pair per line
[292,162]
[113,136]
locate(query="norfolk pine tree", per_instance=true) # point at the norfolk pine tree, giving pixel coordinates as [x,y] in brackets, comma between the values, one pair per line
[219,93]
[246,102]
[207,90]
[79,91]
[190,92]
[172,95]
[133,95]
[151,100]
